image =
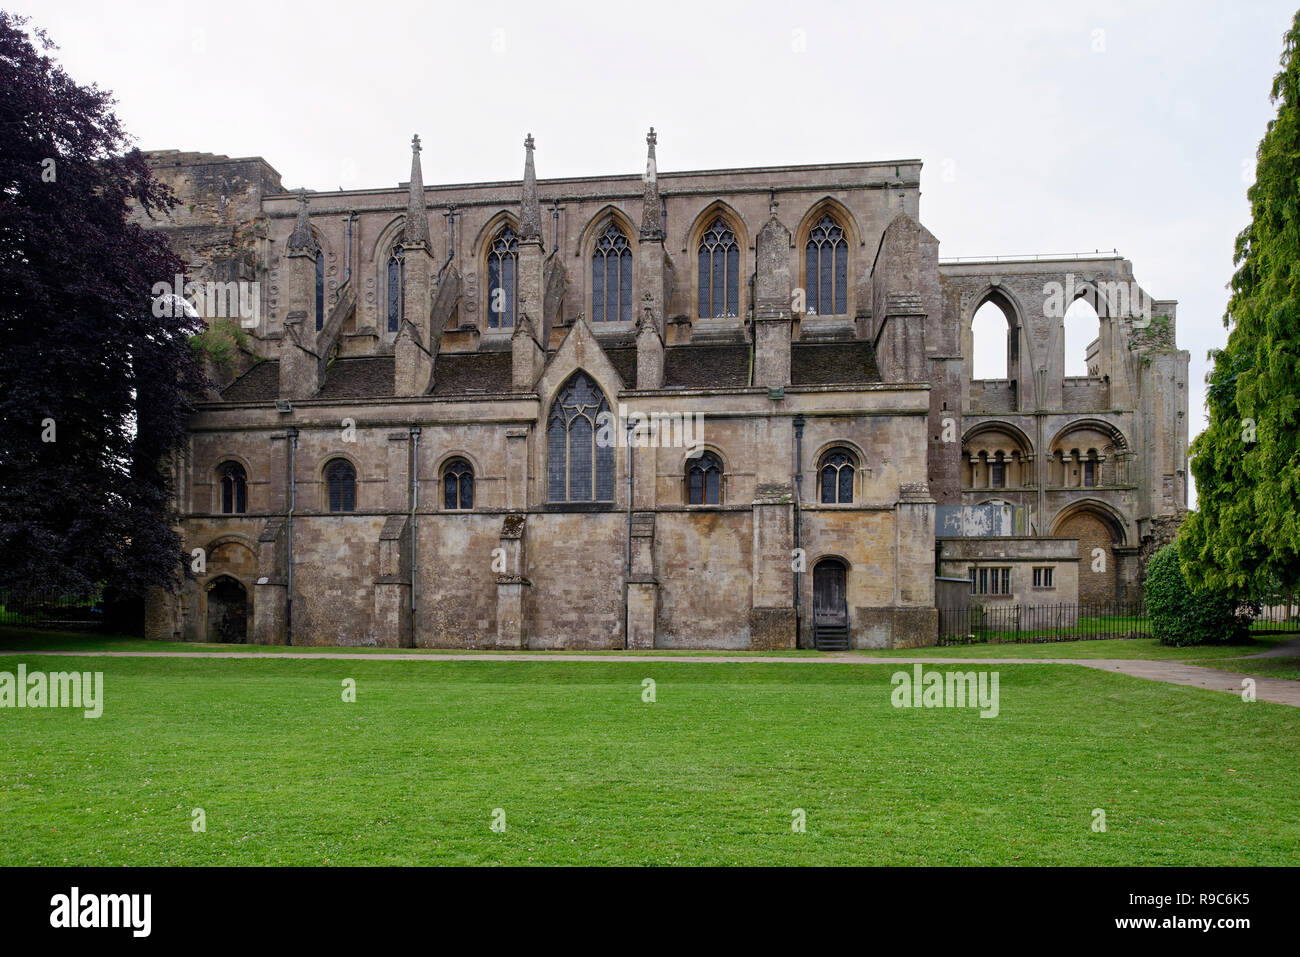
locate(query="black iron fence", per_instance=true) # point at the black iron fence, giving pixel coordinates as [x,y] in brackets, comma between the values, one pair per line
[51,611]
[1276,616]
[1079,621]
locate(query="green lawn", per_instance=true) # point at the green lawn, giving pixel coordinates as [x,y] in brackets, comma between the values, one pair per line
[1266,667]
[1100,648]
[35,640]
[586,772]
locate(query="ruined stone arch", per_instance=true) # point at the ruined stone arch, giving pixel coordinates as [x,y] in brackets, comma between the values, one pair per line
[1109,429]
[1100,530]
[989,444]
[1017,337]
[1106,446]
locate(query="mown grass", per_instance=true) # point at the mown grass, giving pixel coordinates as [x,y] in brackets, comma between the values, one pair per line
[586,772]
[1265,667]
[32,641]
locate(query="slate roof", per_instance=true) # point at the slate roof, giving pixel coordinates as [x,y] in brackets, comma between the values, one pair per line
[359,377]
[476,373]
[261,383]
[706,367]
[456,373]
[833,363]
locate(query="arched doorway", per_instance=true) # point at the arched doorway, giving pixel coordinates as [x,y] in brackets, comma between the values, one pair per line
[227,611]
[830,605]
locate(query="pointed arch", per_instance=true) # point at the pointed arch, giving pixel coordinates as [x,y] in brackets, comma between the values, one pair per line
[579,443]
[1013,312]
[609,266]
[389,273]
[607,213]
[826,246]
[496,250]
[721,263]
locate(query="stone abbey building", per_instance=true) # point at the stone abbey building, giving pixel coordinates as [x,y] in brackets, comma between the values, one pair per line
[720,409]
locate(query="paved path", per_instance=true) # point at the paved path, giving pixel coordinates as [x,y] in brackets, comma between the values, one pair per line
[1279,690]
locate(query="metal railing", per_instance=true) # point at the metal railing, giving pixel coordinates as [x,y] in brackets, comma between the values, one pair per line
[51,610]
[1012,622]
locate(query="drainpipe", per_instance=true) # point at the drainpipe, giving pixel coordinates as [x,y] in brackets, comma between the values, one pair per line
[415,500]
[627,573]
[293,488]
[798,502]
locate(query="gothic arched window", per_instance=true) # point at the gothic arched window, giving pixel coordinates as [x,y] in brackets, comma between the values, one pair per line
[611,277]
[341,478]
[827,269]
[234,489]
[502,271]
[719,272]
[320,290]
[836,471]
[396,293]
[458,485]
[704,480]
[579,468]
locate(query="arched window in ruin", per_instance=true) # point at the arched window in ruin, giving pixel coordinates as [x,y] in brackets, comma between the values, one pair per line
[719,256]
[835,473]
[826,269]
[502,282]
[1082,329]
[457,485]
[234,488]
[704,480]
[611,277]
[992,346]
[579,468]
[396,291]
[341,480]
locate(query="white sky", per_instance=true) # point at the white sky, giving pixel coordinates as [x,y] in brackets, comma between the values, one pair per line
[1044,127]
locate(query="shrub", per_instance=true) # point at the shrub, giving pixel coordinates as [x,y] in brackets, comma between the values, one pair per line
[1180,616]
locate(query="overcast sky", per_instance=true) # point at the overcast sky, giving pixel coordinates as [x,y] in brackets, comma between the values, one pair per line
[1044,127]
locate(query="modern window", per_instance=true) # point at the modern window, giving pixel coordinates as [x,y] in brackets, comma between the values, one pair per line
[502,284]
[579,468]
[320,290]
[836,472]
[826,269]
[704,480]
[396,288]
[341,479]
[719,272]
[611,277]
[234,489]
[457,485]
